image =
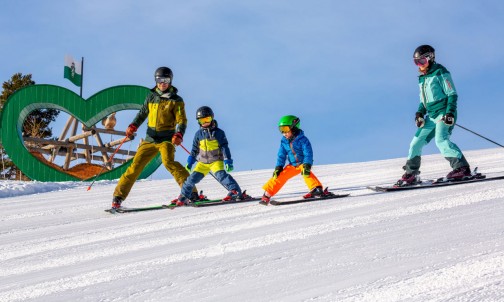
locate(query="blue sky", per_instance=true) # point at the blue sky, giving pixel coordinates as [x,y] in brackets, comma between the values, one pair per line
[344,67]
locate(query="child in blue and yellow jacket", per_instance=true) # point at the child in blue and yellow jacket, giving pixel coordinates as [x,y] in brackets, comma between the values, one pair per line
[211,152]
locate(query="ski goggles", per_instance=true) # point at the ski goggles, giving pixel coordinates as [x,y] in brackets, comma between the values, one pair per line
[204,120]
[421,61]
[284,129]
[163,80]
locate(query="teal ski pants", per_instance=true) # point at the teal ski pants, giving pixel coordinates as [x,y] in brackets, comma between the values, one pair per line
[437,129]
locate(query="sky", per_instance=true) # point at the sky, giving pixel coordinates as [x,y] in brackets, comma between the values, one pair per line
[438,244]
[344,67]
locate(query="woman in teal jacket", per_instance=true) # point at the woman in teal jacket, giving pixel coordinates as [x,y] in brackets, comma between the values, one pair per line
[435,118]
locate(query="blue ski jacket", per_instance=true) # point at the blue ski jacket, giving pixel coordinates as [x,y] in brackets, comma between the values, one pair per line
[297,151]
[210,145]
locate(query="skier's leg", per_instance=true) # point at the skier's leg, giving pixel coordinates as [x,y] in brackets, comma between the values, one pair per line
[178,171]
[145,153]
[275,184]
[448,149]
[190,183]
[422,137]
[223,177]
[311,181]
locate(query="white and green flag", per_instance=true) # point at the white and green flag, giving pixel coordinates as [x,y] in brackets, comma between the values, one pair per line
[73,70]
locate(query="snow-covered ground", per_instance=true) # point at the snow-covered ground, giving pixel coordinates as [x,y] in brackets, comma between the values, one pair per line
[442,244]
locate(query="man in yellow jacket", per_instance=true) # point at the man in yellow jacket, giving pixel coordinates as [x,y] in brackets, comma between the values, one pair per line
[166,124]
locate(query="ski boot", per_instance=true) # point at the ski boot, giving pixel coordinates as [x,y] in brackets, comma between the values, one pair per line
[232,196]
[180,201]
[116,202]
[314,193]
[265,199]
[462,173]
[198,197]
[244,196]
[408,179]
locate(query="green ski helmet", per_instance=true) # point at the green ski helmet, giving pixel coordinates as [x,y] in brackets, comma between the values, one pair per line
[289,123]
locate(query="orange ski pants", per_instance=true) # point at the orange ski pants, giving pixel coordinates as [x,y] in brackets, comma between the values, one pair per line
[276,183]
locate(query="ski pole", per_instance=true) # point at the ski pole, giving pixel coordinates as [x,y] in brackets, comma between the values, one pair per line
[110,160]
[480,135]
[208,172]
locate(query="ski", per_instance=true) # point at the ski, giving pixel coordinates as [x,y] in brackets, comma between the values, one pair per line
[208,203]
[286,202]
[140,209]
[441,182]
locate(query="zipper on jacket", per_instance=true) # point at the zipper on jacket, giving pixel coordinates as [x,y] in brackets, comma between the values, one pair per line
[294,152]
[424,97]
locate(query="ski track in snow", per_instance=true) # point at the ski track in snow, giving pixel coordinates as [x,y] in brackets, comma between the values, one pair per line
[384,246]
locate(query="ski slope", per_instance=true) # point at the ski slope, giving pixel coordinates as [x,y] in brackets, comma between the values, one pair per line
[441,244]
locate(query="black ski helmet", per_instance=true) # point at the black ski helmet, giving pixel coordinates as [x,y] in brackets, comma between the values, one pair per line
[204,111]
[425,51]
[163,72]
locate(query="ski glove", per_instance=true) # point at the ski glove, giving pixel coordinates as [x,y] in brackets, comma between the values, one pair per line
[278,170]
[177,139]
[419,120]
[228,165]
[449,119]
[131,130]
[190,162]
[306,170]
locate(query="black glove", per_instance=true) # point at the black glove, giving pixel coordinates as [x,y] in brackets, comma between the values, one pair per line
[278,170]
[419,120]
[306,170]
[449,119]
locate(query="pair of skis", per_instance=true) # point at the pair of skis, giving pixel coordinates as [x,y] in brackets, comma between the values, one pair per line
[207,203]
[440,182]
[201,203]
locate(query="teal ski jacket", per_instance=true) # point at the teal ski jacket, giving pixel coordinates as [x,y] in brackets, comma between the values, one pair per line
[437,92]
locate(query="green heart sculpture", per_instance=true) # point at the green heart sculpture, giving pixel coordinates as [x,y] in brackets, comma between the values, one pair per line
[88,112]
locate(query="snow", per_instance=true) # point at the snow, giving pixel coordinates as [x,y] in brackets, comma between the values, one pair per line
[441,244]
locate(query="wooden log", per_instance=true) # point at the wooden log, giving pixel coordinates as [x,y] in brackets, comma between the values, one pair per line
[118,142]
[81,136]
[87,153]
[107,131]
[62,135]
[70,150]
[47,142]
[78,155]
[103,149]
[76,146]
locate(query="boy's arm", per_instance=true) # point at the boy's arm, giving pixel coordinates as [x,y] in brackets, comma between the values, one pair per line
[281,156]
[195,145]
[307,151]
[224,145]
[191,159]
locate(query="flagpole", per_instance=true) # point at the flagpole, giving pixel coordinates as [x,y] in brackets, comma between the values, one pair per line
[82,75]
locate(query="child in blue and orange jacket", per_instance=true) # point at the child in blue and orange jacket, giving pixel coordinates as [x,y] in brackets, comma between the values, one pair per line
[296,149]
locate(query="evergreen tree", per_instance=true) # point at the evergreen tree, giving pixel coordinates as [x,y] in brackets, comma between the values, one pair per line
[36,123]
